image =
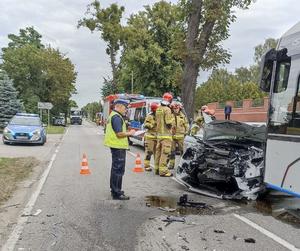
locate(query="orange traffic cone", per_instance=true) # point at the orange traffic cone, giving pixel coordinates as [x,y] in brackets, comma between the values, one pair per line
[84,166]
[138,164]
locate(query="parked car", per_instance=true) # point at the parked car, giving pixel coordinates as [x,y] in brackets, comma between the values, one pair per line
[59,121]
[24,128]
[225,161]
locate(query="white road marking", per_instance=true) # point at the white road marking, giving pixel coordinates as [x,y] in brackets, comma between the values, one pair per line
[267,233]
[15,235]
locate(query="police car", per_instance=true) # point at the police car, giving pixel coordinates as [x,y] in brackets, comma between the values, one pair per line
[24,128]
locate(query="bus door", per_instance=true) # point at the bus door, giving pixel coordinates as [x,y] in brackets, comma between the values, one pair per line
[282,158]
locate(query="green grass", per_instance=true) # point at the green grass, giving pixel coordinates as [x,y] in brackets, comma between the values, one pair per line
[55,129]
[12,171]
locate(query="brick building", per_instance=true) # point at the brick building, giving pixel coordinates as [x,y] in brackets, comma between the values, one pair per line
[247,110]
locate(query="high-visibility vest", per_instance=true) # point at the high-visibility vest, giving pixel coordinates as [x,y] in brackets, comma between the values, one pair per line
[111,139]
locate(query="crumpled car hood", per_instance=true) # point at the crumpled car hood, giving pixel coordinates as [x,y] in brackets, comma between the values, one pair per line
[228,163]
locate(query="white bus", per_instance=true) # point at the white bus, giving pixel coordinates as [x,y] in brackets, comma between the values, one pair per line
[280,76]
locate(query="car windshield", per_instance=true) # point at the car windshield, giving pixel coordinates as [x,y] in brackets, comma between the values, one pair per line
[26,121]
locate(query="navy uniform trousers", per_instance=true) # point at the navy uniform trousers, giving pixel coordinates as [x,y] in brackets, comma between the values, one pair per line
[117,171]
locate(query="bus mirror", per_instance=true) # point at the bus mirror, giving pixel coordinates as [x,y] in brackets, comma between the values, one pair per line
[266,70]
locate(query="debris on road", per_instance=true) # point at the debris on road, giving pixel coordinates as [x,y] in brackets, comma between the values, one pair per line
[184,202]
[174,219]
[50,215]
[249,240]
[185,248]
[167,209]
[219,231]
[37,212]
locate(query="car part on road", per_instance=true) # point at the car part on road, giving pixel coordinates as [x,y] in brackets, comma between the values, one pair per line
[249,240]
[219,231]
[227,163]
[184,202]
[171,219]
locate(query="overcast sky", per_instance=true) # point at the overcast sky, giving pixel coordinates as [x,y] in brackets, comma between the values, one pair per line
[56,20]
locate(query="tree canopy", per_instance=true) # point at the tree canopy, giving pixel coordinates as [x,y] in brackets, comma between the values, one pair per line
[39,73]
[107,21]
[9,103]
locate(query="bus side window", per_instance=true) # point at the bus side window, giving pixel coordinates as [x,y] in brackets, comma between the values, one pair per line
[294,126]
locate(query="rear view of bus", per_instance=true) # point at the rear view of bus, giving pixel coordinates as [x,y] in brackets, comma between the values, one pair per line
[280,76]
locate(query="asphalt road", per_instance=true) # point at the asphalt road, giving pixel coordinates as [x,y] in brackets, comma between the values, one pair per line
[75,212]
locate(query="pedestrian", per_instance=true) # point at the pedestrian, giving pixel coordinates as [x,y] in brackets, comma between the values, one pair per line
[116,137]
[227,111]
[150,136]
[180,130]
[164,127]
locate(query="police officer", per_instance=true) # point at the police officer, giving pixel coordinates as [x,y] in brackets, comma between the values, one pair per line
[181,129]
[116,137]
[164,127]
[150,136]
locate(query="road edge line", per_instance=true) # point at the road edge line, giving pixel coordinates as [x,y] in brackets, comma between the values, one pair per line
[23,217]
[269,234]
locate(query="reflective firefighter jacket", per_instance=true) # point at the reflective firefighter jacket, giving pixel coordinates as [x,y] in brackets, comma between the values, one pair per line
[164,122]
[150,125]
[181,125]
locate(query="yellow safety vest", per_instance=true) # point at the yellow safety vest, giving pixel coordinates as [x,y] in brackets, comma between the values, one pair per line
[111,139]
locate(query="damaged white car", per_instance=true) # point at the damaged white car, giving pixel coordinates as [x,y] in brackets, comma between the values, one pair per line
[226,162]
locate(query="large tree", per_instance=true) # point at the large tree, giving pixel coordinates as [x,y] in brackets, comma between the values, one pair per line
[9,103]
[39,73]
[149,50]
[107,21]
[208,24]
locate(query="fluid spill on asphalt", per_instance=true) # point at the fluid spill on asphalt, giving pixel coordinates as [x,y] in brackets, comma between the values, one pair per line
[281,207]
[169,203]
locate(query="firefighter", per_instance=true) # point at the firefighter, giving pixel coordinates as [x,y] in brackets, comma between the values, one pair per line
[150,136]
[164,126]
[197,125]
[181,129]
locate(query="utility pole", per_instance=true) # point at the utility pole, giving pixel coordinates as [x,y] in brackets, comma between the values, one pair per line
[131,82]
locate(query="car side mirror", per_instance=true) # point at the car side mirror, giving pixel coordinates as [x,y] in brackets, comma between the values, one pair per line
[45,125]
[5,123]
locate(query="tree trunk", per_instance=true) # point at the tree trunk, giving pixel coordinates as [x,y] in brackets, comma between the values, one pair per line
[114,68]
[189,80]
[191,66]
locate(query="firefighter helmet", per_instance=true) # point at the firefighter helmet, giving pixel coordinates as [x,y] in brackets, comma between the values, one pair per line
[168,97]
[153,106]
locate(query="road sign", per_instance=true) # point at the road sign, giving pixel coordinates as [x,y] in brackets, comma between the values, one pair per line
[45,105]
